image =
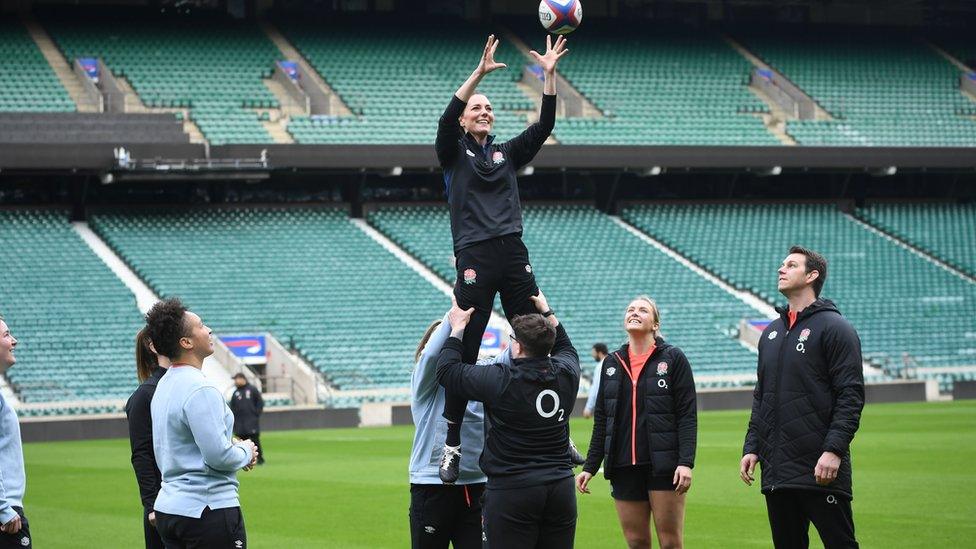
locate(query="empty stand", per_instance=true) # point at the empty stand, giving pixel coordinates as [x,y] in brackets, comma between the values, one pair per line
[397,83]
[899,302]
[118,129]
[590,267]
[309,276]
[211,65]
[27,82]
[883,88]
[944,231]
[659,86]
[75,320]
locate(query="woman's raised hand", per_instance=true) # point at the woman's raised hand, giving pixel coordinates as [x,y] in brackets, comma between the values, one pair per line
[488,62]
[553,53]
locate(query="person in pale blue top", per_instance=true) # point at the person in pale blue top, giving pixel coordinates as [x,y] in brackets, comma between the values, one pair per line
[14,529]
[442,514]
[192,428]
[599,352]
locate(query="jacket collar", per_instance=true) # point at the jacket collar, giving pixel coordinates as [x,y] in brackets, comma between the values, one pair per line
[820,305]
[473,143]
[659,345]
[534,369]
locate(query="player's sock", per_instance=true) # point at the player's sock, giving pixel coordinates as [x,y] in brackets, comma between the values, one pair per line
[453,434]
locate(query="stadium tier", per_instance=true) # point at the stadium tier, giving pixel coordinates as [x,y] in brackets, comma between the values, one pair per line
[590,267]
[47,127]
[899,302]
[944,231]
[309,276]
[76,322]
[665,86]
[398,84]
[27,82]
[210,65]
[883,89]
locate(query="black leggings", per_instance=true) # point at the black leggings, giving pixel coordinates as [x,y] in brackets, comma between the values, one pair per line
[500,265]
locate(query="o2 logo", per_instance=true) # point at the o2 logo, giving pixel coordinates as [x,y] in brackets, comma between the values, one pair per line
[539,402]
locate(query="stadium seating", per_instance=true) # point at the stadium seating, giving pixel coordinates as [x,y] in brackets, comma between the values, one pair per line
[882,88]
[899,302]
[32,127]
[27,82]
[661,86]
[590,268]
[210,65]
[75,320]
[309,276]
[398,84]
[944,231]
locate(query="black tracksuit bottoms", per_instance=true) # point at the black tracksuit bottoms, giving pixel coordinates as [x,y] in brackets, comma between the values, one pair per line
[791,512]
[496,266]
[445,515]
[22,538]
[153,541]
[533,517]
[215,529]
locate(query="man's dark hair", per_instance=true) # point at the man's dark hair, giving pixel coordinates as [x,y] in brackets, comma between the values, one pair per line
[601,348]
[535,334]
[814,262]
[165,325]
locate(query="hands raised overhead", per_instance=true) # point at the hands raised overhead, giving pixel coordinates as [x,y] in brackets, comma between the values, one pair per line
[553,53]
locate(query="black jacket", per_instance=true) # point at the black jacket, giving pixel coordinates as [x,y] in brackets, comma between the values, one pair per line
[480,183]
[666,408]
[246,404]
[808,398]
[527,409]
[140,439]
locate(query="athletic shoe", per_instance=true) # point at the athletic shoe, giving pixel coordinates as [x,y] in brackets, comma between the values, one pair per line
[574,455]
[450,464]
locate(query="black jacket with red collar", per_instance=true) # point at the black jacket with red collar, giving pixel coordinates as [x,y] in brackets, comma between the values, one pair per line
[808,398]
[480,182]
[653,421]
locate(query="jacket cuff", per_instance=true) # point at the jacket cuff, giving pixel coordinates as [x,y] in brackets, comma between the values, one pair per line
[8,515]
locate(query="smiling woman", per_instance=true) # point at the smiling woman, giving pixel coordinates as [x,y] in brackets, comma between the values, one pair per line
[486,215]
[646,414]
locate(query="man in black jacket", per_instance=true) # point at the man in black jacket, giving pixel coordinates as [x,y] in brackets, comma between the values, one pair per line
[486,216]
[806,408]
[247,405]
[529,499]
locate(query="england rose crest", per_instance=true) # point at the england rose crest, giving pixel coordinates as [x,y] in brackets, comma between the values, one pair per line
[804,335]
[497,157]
[662,368]
[470,276]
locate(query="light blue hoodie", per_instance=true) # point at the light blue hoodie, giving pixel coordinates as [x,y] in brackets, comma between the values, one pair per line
[12,478]
[427,405]
[192,429]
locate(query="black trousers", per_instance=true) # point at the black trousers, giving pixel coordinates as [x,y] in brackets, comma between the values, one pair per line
[21,539]
[442,515]
[497,266]
[791,512]
[256,439]
[215,529]
[153,541]
[537,517]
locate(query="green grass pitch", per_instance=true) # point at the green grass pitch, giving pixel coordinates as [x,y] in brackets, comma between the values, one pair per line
[914,484]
